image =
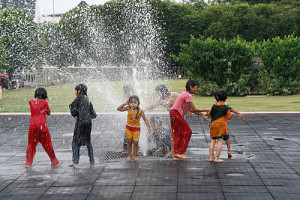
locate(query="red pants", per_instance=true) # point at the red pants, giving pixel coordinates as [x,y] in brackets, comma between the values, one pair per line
[36,135]
[181,132]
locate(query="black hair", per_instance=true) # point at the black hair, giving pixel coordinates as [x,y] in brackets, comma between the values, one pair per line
[138,100]
[192,83]
[163,89]
[222,95]
[128,90]
[82,88]
[217,95]
[40,93]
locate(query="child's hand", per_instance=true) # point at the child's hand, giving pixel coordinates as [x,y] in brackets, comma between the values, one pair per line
[149,130]
[189,114]
[241,116]
[206,116]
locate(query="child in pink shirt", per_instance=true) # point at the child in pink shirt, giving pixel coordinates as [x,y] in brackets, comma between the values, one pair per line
[181,130]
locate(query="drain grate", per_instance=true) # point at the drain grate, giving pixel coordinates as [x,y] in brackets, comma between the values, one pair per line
[110,155]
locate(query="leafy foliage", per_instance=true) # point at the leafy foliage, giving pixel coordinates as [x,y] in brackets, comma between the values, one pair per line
[281,60]
[19,36]
[224,64]
[3,61]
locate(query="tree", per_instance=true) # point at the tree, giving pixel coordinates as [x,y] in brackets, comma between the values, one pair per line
[3,61]
[20,39]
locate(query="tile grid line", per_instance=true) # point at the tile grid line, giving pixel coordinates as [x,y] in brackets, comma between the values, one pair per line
[278,154]
[95,182]
[135,182]
[268,146]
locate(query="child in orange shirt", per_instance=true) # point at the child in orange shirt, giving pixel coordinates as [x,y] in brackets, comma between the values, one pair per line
[219,113]
[133,125]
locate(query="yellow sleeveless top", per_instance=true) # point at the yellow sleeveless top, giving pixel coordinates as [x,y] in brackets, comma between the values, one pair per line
[131,120]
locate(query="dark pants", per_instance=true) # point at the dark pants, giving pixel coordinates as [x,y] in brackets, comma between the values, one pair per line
[76,153]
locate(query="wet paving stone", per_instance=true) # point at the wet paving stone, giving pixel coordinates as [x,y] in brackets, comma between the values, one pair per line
[265,163]
[152,196]
[247,196]
[201,196]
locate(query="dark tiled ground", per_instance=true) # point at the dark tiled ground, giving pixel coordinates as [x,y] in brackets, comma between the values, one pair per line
[265,163]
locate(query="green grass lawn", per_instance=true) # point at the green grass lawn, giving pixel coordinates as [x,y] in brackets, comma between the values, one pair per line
[106,96]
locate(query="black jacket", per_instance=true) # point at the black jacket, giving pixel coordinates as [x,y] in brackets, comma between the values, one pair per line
[83,109]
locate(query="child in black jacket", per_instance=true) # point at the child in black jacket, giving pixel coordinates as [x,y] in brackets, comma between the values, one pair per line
[83,109]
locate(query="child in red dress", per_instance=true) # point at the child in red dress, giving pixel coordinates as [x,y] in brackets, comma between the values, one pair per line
[38,130]
[181,130]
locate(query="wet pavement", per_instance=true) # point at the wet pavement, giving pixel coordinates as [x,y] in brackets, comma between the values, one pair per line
[265,163]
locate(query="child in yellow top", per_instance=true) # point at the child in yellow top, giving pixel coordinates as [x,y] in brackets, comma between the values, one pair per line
[133,125]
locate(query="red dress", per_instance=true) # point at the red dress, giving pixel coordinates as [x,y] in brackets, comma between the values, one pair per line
[38,131]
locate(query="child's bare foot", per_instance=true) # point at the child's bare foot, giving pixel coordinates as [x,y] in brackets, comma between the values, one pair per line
[122,150]
[128,158]
[211,160]
[72,164]
[169,153]
[182,156]
[218,160]
[27,166]
[229,154]
[135,158]
[58,164]
[177,158]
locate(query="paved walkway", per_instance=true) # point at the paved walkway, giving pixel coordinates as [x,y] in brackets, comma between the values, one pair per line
[265,163]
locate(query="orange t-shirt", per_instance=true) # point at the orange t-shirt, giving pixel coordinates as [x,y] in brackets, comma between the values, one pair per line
[219,113]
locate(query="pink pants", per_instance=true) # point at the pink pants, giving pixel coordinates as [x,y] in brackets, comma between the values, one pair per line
[181,131]
[36,135]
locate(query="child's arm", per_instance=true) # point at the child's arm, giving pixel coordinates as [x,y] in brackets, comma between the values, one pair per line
[239,114]
[92,111]
[189,113]
[123,107]
[48,112]
[204,115]
[146,121]
[73,108]
[152,105]
[197,111]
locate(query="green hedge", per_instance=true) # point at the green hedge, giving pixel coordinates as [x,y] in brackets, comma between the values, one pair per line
[228,64]
[219,64]
[281,71]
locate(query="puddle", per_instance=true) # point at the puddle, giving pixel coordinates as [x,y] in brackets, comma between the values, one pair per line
[235,174]
[279,139]
[239,152]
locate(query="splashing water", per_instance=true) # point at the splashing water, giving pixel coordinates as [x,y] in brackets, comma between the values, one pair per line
[135,48]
